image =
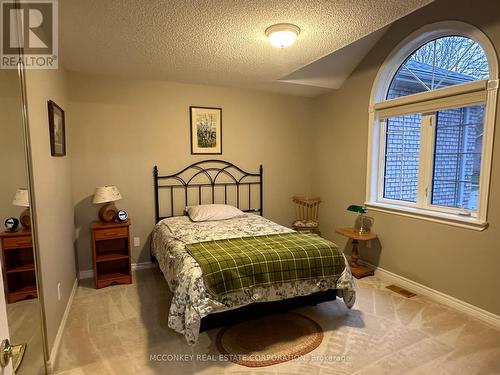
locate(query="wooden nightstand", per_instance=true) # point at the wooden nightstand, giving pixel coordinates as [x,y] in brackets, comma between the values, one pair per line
[18,265]
[111,253]
[357,270]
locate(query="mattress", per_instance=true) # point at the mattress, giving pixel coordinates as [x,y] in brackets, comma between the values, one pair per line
[191,301]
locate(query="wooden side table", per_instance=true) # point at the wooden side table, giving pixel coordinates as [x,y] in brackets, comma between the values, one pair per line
[18,265]
[357,270]
[111,253]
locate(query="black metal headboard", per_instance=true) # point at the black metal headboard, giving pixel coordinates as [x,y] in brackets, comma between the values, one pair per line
[207,181]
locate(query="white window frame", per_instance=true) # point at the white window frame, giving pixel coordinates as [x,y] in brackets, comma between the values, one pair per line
[427,103]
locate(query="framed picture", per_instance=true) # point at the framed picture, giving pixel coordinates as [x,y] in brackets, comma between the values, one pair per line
[206,130]
[57,130]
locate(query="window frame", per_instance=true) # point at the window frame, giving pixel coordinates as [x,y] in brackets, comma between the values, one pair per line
[461,95]
[382,167]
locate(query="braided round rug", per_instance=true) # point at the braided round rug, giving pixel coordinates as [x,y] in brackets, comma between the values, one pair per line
[269,340]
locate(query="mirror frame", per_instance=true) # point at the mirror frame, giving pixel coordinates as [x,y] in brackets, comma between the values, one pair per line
[32,200]
[31,188]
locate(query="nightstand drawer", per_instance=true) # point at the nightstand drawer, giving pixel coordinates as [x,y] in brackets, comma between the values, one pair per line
[103,234]
[17,242]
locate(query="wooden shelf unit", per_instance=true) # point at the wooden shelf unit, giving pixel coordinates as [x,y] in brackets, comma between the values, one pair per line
[24,268]
[18,265]
[111,253]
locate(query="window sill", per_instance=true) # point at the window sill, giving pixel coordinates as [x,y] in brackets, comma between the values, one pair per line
[436,217]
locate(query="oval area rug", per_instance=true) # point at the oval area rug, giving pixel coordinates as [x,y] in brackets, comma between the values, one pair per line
[269,340]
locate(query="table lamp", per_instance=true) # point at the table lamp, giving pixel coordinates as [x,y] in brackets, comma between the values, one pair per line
[108,195]
[21,199]
[364,227]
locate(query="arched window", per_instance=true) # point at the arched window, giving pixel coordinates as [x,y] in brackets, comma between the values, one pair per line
[431,126]
[442,62]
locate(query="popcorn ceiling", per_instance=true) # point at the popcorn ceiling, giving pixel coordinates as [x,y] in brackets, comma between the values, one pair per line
[213,42]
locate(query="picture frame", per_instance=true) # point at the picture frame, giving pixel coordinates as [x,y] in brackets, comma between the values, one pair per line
[57,129]
[205,130]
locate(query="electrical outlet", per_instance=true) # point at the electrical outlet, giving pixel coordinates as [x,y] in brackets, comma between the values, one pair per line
[137,241]
[59,291]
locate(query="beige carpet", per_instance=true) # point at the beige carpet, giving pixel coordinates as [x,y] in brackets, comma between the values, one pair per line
[115,330]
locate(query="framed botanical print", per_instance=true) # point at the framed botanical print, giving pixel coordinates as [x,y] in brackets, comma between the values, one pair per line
[206,130]
[57,130]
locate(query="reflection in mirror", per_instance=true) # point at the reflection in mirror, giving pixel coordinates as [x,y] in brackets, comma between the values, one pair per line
[17,253]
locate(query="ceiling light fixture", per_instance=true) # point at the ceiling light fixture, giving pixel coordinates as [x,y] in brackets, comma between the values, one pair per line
[282,35]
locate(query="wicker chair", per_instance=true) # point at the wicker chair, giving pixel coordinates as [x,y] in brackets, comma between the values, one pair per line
[306,214]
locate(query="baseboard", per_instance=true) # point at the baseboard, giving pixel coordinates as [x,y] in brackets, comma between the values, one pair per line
[437,296]
[60,331]
[143,265]
[88,274]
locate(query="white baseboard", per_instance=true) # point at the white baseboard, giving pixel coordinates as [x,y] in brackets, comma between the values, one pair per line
[412,286]
[143,265]
[88,274]
[60,331]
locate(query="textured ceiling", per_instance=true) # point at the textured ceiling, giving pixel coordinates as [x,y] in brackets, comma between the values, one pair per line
[222,42]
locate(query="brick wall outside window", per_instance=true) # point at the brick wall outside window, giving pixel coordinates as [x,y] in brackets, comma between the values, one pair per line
[457,155]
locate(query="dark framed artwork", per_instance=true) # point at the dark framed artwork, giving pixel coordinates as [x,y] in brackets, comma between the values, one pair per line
[57,130]
[206,130]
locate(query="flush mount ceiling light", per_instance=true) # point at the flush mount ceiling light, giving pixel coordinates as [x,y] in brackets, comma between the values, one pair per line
[282,35]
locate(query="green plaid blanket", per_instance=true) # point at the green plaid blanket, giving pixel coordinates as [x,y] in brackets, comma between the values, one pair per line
[240,263]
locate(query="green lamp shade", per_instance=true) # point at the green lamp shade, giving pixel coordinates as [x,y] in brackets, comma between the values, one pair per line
[358,209]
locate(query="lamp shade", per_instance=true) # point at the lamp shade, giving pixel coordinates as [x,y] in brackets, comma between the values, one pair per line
[358,209]
[21,198]
[104,194]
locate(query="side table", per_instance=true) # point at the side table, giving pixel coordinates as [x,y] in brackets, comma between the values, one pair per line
[357,270]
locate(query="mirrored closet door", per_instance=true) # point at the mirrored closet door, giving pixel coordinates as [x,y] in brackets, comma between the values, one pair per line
[22,307]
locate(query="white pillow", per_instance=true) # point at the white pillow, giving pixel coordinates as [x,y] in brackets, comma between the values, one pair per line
[210,212]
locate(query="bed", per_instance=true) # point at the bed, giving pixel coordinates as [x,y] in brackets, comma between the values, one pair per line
[193,302]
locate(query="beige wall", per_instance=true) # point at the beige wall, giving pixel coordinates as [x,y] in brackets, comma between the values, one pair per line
[11,144]
[121,128]
[459,262]
[54,205]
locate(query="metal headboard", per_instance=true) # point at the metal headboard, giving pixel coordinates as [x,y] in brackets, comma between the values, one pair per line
[215,176]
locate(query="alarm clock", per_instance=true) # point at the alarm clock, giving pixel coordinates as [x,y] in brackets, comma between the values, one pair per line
[11,224]
[122,216]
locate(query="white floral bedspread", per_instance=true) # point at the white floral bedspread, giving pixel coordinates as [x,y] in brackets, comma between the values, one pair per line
[191,302]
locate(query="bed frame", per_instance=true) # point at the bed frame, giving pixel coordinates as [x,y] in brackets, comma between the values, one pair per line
[205,181]
[219,181]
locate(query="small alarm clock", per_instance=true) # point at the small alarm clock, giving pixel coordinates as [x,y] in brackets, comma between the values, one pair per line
[11,224]
[122,215]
